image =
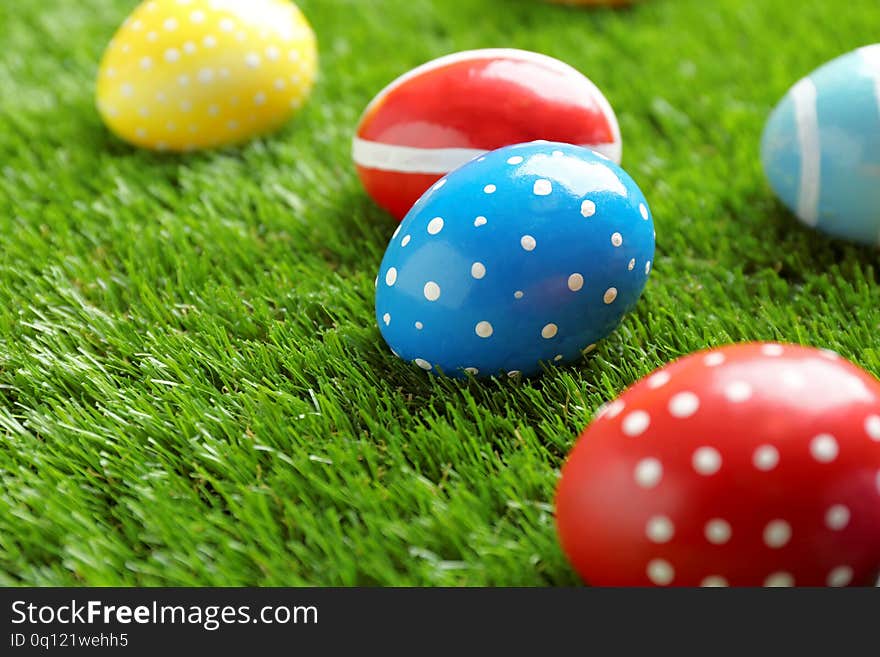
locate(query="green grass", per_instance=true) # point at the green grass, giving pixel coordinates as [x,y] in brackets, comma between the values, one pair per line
[193,390]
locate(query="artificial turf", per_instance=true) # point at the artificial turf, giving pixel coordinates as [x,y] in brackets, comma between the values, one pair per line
[193,390]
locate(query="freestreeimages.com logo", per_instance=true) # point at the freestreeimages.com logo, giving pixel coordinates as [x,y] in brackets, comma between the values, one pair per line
[210,617]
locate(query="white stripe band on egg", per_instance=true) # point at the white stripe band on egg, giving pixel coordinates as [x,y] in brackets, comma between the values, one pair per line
[409,159]
[807,122]
[871,57]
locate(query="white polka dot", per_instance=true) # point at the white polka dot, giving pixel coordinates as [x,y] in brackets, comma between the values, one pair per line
[172,55]
[549,331]
[141,132]
[714,359]
[872,427]
[840,576]
[483,329]
[478,270]
[405,240]
[528,242]
[824,448]
[170,24]
[206,75]
[765,457]
[252,59]
[152,36]
[435,225]
[779,579]
[648,472]
[386,318]
[588,208]
[279,84]
[513,373]
[717,531]
[617,239]
[227,25]
[647,267]
[197,16]
[419,325]
[713,581]
[706,461]
[575,282]
[272,53]
[480,221]
[613,409]
[589,348]
[516,159]
[738,391]
[259,98]
[772,350]
[127,90]
[391,276]
[643,210]
[146,62]
[213,110]
[837,517]
[542,187]
[658,380]
[144,111]
[489,189]
[421,362]
[635,423]
[684,404]
[185,106]
[189,47]
[472,370]
[432,291]
[557,358]
[183,80]
[660,572]
[659,529]
[631,265]
[777,533]
[518,294]
[610,295]
[209,41]
[232,125]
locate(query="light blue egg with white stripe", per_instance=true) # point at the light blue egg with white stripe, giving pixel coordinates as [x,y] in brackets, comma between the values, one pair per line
[522,258]
[821,147]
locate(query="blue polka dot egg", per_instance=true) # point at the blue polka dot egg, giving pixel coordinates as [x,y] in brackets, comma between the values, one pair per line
[523,257]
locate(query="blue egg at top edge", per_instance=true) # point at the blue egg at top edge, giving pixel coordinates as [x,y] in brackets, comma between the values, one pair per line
[526,255]
[820,148]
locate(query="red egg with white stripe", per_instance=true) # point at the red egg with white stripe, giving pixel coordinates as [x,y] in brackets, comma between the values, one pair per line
[443,114]
[750,465]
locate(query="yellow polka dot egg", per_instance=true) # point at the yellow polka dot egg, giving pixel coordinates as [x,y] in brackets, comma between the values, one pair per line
[187,74]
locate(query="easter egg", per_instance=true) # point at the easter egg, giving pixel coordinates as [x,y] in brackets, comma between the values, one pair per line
[442,114]
[749,465]
[821,147]
[182,75]
[525,256]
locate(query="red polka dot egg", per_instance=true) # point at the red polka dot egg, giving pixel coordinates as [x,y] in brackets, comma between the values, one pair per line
[439,116]
[749,465]
[188,74]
